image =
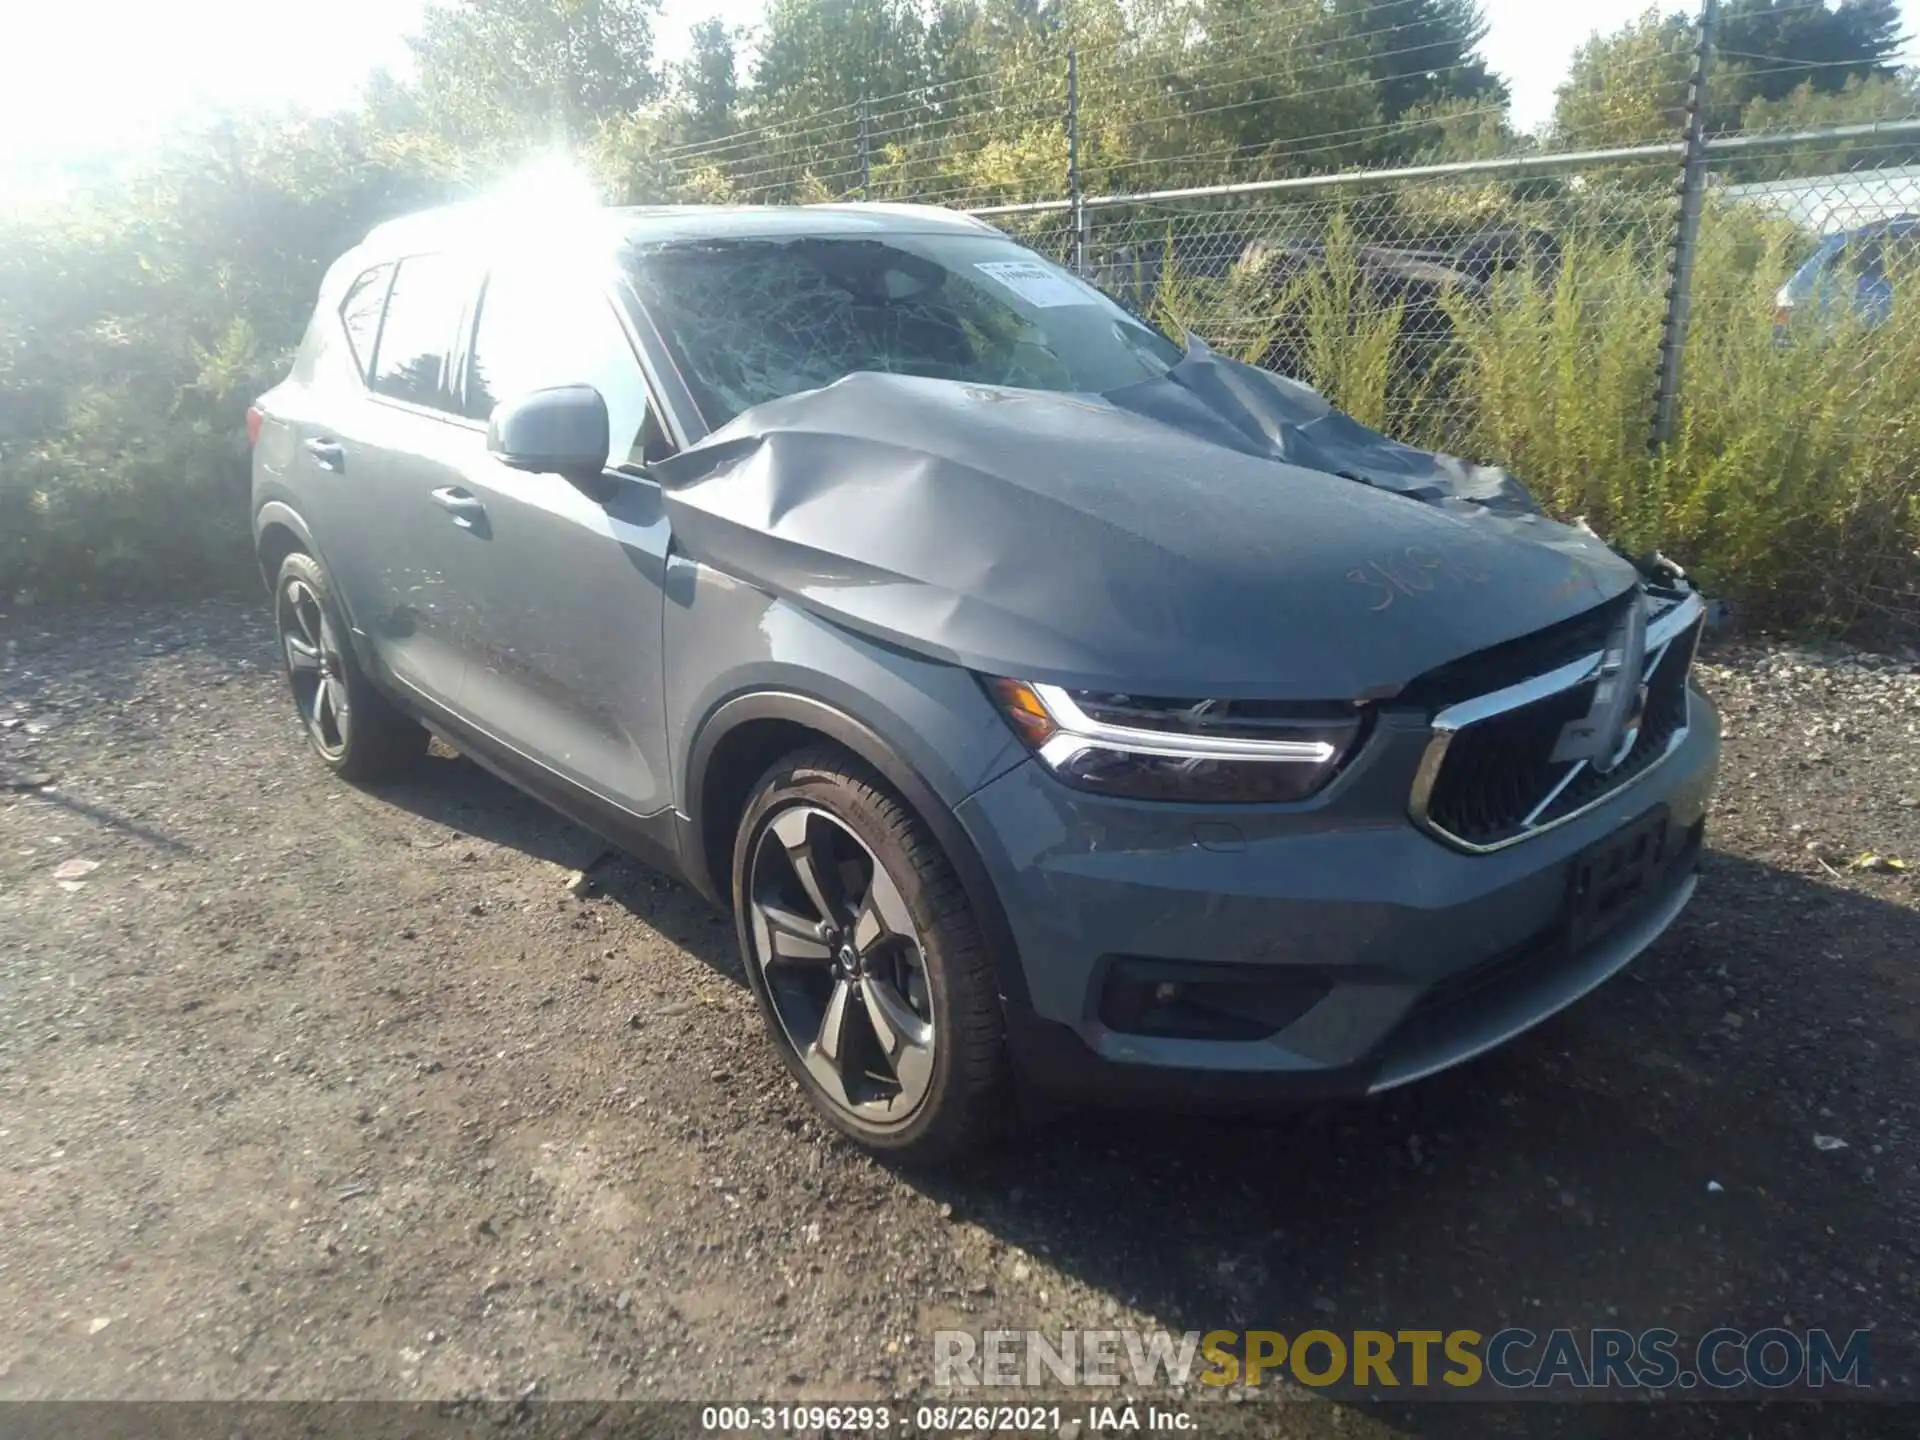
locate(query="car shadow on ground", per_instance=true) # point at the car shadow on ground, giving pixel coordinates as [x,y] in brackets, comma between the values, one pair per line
[454,792]
[1623,1156]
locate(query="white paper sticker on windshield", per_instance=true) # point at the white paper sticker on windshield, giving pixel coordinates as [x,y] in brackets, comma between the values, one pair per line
[1035,283]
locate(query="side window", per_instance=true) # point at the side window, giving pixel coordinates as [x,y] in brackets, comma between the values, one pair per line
[423,316]
[360,314]
[1870,259]
[535,332]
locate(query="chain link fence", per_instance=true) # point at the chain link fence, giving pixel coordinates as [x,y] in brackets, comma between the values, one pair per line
[1369,284]
[1799,382]
[1696,343]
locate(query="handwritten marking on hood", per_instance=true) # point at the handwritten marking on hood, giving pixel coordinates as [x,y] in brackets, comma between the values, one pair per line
[1417,570]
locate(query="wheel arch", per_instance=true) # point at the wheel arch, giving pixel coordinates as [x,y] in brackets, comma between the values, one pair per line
[744,735]
[278,531]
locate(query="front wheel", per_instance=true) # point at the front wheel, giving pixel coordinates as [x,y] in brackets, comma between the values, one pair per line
[867,961]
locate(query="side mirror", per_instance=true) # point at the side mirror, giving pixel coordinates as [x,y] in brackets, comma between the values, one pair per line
[562,431]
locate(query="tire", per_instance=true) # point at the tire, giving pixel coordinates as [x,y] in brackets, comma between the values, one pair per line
[350,725]
[918,1067]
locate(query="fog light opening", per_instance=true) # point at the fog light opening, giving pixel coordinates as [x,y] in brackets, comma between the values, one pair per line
[1190,1000]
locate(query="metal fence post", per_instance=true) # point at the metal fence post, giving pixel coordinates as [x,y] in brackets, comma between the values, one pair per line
[1686,240]
[1076,212]
[866,151]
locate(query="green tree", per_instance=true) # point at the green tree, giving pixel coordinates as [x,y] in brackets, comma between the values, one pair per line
[819,62]
[1860,101]
[1629,87]
[391,105]
[1171,92]
[992,125]
[972,37]
[708,88]
[1770,48]
[516,72]
[1303,85]
[820,58]
[1281,87]
[1863,101]
[1421,53]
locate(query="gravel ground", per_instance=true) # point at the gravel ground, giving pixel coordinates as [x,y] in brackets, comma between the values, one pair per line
[309,1091]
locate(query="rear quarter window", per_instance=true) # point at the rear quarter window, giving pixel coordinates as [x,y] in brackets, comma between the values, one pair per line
[360,311]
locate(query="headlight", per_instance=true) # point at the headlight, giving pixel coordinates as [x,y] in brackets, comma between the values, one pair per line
[1210,751]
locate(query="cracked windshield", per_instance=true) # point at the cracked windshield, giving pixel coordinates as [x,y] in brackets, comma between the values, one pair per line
[753,320]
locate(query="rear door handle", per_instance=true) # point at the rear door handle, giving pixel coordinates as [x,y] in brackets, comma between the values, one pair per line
[328,455]
[463,505]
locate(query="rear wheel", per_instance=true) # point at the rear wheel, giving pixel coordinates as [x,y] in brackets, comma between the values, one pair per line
[864,953]
[352,727]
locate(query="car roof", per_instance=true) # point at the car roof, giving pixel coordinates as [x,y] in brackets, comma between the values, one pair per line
[1894,225]
[713,222]
[460,225]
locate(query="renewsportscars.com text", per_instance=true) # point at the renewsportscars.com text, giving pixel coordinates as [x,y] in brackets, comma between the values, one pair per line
[1439,1362]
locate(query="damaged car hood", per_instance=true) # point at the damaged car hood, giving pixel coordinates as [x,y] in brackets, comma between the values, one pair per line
[1217,532]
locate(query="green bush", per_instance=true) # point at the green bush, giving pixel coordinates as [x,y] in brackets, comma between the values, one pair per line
[138,320]
[1792,486]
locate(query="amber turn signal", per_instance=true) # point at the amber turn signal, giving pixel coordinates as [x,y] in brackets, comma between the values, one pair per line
[1024,709]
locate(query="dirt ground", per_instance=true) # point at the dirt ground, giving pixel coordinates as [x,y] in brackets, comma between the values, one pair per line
[310,1091]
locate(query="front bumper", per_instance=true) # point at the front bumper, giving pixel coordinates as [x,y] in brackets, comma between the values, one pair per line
[1428,956]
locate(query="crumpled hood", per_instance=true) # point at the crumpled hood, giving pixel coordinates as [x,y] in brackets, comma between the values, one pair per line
[1220,532]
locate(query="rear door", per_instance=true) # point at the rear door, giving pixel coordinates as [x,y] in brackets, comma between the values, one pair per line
[567,604]
[400,454]
[323,407]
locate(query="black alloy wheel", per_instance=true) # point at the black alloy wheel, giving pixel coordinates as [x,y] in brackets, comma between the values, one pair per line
[843,965]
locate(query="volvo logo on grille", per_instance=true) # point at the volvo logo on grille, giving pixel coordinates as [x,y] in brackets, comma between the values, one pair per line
[1605,735]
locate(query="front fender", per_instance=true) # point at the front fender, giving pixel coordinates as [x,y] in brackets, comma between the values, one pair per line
[842,729]
[736,656]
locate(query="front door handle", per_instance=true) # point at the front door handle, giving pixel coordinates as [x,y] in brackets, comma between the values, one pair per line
[327,454]
[465,507]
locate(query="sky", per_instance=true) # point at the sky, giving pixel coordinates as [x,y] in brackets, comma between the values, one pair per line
[1531,43]
[79,75]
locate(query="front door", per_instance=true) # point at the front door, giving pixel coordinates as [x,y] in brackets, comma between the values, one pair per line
[568,668]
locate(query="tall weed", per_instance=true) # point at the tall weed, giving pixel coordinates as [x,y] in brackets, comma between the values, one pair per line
[1793,486]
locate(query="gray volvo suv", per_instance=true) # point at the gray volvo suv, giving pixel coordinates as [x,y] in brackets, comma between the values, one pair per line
[1060,708]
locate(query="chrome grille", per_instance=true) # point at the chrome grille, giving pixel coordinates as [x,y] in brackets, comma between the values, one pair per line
[1491,778]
